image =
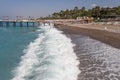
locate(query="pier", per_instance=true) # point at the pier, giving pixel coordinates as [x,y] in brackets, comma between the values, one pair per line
[18,23]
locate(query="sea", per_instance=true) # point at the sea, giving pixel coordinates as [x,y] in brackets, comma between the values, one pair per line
[45,53]
[36,53]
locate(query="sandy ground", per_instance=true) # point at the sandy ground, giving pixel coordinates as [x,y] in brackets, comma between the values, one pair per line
[98,61]
[99,26]
[108,34]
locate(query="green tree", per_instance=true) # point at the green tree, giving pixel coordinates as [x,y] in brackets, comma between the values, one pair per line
[118,10]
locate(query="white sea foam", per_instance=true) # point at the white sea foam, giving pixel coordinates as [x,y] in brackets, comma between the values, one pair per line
[103,60]
[49,57]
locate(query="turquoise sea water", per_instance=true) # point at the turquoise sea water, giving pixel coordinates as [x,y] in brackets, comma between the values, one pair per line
[42,53]
[13,40]
[45,53]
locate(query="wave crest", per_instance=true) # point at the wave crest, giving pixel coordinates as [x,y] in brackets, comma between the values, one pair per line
[49,57]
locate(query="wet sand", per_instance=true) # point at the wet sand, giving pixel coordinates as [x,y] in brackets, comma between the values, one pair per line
[98,32]
[98,61]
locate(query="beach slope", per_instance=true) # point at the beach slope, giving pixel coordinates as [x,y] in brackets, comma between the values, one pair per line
[93,31]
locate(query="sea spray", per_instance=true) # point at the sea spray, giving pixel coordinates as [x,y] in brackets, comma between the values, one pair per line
[49,57]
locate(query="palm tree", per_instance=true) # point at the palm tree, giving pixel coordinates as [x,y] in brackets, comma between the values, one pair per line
[83,11]
[97,9]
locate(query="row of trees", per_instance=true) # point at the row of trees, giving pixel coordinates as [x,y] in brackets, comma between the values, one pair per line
[96,12]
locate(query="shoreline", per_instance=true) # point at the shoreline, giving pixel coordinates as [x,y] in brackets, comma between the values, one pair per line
[94,56]
[97,32]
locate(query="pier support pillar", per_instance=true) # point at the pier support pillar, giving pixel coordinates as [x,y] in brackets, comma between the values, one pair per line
[27,24]
[33,24]
[21,24]
[7,24]
[14,24]
[0,24]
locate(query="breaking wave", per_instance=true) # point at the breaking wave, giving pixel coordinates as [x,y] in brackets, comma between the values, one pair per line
[49,57]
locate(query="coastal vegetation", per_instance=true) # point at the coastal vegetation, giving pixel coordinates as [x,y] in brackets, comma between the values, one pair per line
[95,12]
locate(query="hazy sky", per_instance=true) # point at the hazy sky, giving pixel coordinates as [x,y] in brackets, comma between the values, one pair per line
[39,8]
